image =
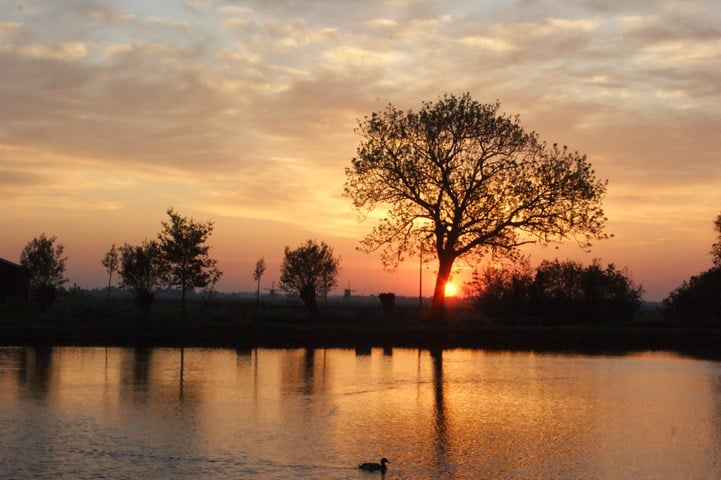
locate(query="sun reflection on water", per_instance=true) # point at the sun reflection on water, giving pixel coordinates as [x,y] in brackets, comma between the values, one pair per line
[305,413]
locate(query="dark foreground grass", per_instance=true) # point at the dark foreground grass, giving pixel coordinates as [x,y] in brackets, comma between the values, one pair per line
[358,323]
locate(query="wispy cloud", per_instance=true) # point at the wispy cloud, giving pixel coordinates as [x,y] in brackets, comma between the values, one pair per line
[250,108]
[112,16]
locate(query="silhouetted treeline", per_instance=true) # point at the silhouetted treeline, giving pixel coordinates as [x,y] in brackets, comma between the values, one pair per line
[556,292]
[178,258]
[697,301]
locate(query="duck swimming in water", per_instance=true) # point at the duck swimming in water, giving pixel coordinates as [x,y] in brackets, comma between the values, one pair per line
[375,467]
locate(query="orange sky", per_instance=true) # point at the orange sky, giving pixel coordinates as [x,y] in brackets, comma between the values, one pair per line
[243,113]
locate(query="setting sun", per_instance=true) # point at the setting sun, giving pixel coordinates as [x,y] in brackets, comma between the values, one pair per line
[451,289]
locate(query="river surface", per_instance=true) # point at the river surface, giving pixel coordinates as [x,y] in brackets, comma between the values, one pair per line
[119,413]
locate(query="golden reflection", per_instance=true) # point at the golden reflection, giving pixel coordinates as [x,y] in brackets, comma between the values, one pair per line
[497,414]
[513,411]
[303,371]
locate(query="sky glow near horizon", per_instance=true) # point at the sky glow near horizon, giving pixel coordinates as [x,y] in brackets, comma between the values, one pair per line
[244,113]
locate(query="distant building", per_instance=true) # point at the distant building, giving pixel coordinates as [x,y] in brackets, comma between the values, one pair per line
[347,292]
[14,283]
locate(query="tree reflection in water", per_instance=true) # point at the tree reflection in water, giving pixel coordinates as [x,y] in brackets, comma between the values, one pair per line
[306,413]
[441,428]
[34,372]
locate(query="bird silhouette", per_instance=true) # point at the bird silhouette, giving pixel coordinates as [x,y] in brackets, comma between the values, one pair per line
[375,467]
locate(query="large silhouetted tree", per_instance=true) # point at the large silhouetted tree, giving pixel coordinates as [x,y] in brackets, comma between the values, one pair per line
[460,178]
[309,270]
[142,270]
[188,264]
[111,262]
[45,265]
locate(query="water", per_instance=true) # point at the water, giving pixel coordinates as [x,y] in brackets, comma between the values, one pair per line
[165,413]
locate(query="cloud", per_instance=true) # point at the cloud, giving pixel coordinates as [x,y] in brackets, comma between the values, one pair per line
[23,178]
[382,23]
[236,10]
[60,52]
[488,43]
[677,53]
[9,28]
[249,108]
[197,4]
[182,25]
[112,16]
[346,57]
[236,23]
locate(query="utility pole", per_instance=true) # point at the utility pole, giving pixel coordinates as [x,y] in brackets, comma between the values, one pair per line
[420,279]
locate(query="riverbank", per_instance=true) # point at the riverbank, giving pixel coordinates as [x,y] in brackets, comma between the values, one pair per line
[344,325]
[318,334]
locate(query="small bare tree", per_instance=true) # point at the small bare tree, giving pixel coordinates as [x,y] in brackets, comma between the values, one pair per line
[257,274]
[111,262]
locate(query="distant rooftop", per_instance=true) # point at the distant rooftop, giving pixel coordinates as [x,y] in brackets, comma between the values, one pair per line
[9,263]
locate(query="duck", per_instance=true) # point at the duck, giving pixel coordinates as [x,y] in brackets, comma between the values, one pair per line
[375,467]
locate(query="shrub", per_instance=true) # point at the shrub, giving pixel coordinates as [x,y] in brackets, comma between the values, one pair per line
[696,301]
[558,292]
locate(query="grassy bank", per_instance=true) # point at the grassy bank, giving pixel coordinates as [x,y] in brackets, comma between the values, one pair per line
[88,320]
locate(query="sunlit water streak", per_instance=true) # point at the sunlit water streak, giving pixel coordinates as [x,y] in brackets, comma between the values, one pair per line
[167,413]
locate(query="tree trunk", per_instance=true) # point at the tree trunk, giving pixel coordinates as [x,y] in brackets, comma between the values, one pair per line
[257,295]
[182,308]
[445,265]
[307,294]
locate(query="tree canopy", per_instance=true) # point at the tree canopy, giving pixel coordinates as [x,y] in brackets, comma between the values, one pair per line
[43,259]
[459,178]
[188,263]
[556,292]
[716,247]
[696,300]
[309,270]
[142,270]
